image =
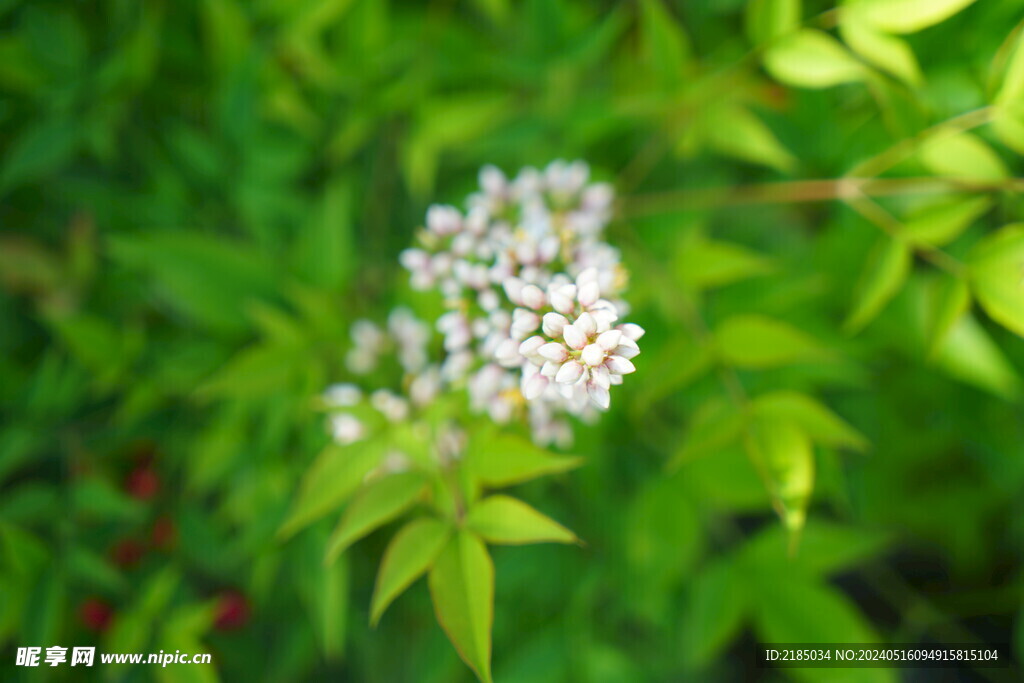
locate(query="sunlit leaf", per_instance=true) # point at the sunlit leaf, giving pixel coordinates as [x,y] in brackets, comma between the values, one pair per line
[409,555]
[462,588]
[887,52]
[737,132]
[766,20]
[505,459]
[997,276]
[969,354]
[812,59]
[941,223]
[952,298]
[376,503]
[815,419]
[507,521]
[756,341]
[886,271]
[331,479]
[908,16]
[705,263]
[783,450]
[962,155]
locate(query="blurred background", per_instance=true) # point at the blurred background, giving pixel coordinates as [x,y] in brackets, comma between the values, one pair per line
[197,198]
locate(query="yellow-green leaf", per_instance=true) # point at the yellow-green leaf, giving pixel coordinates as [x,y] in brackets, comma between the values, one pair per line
[962,155]
[333,477]
[462,588]
[756,341]
[409,555]
[505,520]
[376,503]
[887,52]
[812,59]
[970,355]
[997,276]
[886,271]
[769,19]
[940,224]
[783,450]
[908,16]
[816,420]
[952,298]
[705,263]
[737,132]
[503,460]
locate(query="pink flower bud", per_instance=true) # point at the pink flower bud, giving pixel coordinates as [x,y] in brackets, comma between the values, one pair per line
[553,351]
[600,376]
[609,340]
[632,330]
[524,322]
[553,324]
[550,369]
[586,324]
[589,293]
[535,386]
[599,395]
[618,365]
[533,297]
[530,346]
[627,348]
[592,355]
[574,337]
[513,287]
[569,372]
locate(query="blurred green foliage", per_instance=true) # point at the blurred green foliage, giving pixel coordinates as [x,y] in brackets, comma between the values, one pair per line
[197,198]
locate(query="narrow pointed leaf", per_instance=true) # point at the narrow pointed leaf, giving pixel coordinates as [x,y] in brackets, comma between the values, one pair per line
[766,20]
[909,16]
[886,271]
[756,341]
[783,450]
[887,52]
[507,521]
[377,503]
[963,155]
[941,223]
[997,276]
[969,354]
[812,59]
[462,588]
[503,460]
[816,420]
[409,555]
[333,477]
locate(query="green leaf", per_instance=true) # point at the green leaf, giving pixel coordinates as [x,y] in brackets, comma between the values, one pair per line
[1008,112]
[715,425]
[507,521]
[812,59]
[714,613]
[324,252]
[969,354]
[375,504]
[941,223]
[887,52]
[41,148]
[816,420]
[908,16]
[409,555]
[825,548]
[331,479]
[783,451]
[952,298]
[766,20]
[755,341]
[702,264]
[737,132]
[962,155]
[997,276]
[462,588]
[886,271]
[666,46]
[505,459]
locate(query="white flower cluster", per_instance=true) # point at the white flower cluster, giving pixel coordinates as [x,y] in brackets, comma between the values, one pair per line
[527,256]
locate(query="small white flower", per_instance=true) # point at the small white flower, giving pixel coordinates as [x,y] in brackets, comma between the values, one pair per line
[342,395]
[570,372]
[553,324]
[346,428]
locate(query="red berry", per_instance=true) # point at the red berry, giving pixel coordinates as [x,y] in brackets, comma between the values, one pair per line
[232,611]
[164,534]
[95,614]
[126,553]
[142,483]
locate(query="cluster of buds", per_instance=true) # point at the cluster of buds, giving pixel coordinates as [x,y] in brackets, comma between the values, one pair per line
[525,256]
